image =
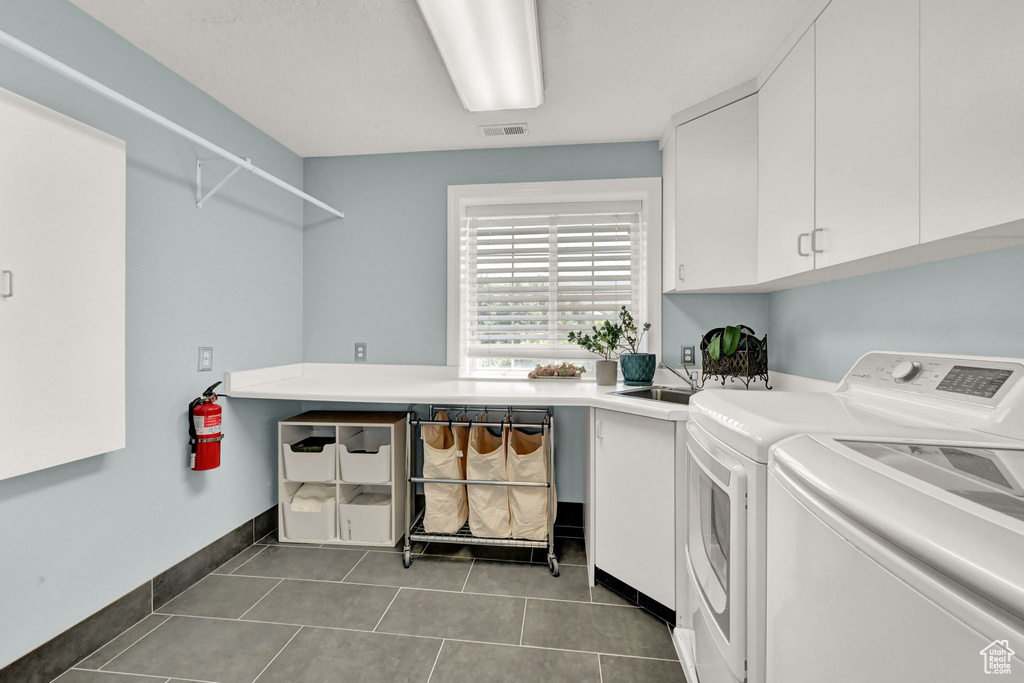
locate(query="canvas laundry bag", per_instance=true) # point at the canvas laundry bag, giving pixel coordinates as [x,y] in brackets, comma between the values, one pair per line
[444,458]
[528,461]
[488,505]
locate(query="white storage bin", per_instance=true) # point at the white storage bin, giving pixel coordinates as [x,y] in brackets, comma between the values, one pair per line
[365,517]
[310,526]
[366,457]
[309,466]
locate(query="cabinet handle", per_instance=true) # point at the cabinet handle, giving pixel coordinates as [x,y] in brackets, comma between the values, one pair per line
[814,240]
[800,244]
[682,272]
[10,284]
[598,432]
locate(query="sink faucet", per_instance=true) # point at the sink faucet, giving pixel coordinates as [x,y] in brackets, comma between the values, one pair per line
[677,374]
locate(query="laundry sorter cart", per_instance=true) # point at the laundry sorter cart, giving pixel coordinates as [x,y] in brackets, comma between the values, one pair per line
[415,530]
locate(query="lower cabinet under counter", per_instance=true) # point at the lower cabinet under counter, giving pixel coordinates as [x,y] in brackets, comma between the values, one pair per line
[634,463]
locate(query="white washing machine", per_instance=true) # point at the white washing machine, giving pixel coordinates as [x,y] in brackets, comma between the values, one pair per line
[729,435]
[895,561]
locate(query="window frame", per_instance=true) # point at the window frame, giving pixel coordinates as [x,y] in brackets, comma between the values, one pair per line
[647,190]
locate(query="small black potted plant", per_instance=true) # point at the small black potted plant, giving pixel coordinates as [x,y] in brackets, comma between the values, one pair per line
[637,367]
[605,343]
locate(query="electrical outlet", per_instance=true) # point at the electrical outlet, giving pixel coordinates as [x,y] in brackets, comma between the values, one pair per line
[205,358]
[687,354]
[360,352]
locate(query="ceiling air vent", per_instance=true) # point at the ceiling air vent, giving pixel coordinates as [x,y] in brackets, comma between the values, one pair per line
[502,129]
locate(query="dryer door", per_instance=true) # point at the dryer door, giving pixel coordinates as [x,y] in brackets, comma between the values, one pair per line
[717,542]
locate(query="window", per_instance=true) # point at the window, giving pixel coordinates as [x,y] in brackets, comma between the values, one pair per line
[530,262]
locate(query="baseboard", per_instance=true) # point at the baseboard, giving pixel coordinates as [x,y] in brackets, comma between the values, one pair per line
[624,590]
[60,653]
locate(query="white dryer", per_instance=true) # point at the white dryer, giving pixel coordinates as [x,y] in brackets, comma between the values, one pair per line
[729,437]
[895,561]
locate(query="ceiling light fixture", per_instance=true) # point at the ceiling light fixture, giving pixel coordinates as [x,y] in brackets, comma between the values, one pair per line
[491,49]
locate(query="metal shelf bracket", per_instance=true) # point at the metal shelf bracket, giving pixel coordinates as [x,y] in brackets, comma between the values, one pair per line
[200,197]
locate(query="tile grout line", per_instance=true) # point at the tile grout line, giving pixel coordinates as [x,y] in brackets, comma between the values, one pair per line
[297,632]
[258,552]
[125,673]
[409,635]
[76,666]
[466,582]
[600,670]
[358,562]
[169,617]
[436,660]
[522,630]
[436,590]
[261,599]
[394,597]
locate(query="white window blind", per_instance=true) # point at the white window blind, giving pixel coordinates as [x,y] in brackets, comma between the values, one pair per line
[531,273]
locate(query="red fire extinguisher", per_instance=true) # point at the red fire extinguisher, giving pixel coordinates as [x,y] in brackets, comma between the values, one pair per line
[204,430]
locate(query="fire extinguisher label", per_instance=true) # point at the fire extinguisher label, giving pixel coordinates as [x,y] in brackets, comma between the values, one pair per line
[206,425]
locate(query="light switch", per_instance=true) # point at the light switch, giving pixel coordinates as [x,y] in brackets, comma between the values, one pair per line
[205,358]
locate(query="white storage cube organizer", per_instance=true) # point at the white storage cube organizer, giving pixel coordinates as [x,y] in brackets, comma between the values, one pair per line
[365,517]
[366,457]
[309,466]
[310,526]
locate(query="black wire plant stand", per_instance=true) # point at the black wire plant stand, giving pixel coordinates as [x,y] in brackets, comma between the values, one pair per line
[748,364]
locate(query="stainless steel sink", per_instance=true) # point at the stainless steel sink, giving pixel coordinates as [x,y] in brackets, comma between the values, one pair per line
[666,394]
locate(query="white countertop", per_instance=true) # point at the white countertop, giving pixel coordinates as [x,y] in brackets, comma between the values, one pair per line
[424,384]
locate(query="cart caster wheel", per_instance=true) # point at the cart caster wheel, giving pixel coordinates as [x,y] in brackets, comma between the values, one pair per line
[553,565]
[407,558]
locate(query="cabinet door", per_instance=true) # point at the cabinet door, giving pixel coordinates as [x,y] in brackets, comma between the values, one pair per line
[669,270]
[716,198]
[785,165]
[635,502]
[62,344]
[867,126]
[972,115]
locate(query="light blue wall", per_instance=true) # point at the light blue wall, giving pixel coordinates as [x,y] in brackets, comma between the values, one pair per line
[687,317]
[969,305]
[381,276]
[78,536]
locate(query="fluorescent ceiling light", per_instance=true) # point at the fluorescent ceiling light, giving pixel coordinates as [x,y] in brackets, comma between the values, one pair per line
[491,49]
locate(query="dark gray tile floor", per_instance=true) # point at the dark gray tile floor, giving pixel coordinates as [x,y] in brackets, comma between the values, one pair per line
[282,614]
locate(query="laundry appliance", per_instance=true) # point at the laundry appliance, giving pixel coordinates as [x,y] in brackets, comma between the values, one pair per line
[885,395]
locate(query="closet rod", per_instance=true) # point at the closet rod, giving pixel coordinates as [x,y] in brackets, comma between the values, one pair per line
[63,69]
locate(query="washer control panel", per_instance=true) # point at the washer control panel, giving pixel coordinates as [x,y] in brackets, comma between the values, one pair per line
[981,382]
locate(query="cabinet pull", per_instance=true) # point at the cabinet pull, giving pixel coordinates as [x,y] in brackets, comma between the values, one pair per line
[800,244]
[598,432]
[814,240]
[682,272]
[9,292]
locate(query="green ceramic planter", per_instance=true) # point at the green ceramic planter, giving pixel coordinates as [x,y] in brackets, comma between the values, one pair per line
[638,368]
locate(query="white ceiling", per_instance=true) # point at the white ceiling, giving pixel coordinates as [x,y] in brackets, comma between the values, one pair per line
[337,77]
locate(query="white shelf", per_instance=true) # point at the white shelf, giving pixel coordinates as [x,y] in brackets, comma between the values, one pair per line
[388,430]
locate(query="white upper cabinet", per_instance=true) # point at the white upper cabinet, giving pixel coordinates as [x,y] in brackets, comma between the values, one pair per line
[867,127]
[713,240]
[62,294]
[972,115]
[785,176]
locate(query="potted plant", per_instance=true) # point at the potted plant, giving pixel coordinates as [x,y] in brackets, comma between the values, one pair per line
[734,352]
[604,342]
[637,368]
